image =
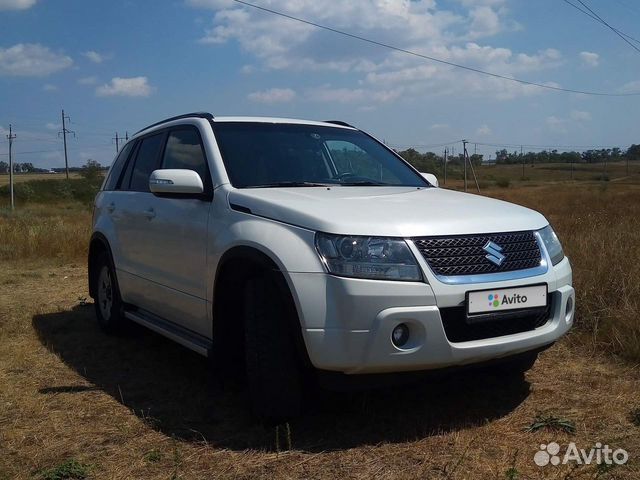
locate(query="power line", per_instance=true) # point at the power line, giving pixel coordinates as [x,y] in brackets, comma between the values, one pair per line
[614,30]
[434,59]
[594,17]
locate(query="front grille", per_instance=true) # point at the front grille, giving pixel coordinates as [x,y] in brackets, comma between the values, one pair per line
[464,254]
[458,329]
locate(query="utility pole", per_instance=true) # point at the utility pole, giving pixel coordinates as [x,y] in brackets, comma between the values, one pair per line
[126,136]
[571,167]
[522,158]
[445,165]
[64,139]
[464,152]
[11,137]
[627,157]
[467,159]
[117,144]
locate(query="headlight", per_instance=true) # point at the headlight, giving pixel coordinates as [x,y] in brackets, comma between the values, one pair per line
[368,257]
[552,244]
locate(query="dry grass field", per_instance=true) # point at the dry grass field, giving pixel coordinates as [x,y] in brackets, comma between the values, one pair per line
[75,403]
[28,177]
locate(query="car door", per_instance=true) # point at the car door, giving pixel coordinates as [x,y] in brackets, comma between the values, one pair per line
[172,237]
[131,221]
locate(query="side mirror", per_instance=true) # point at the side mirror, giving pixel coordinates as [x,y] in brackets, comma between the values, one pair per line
[431,178]
[175,181]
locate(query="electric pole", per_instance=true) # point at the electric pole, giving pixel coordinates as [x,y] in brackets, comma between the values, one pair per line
[464,154]
[467,159]
[64,139]
[10,137]
[522,158]
[117,144]
[126,136]
[445,165]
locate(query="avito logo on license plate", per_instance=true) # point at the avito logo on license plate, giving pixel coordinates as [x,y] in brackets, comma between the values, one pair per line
[501,299]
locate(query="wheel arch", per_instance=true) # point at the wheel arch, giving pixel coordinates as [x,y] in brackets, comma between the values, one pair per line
[235,266]
[97,244]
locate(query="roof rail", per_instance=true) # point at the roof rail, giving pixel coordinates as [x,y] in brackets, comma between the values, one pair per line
[339,122]
[206,115]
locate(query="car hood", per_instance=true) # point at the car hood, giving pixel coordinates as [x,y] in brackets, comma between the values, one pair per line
[386,211]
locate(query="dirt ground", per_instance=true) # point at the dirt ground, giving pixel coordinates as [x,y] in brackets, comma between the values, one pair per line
[140,406]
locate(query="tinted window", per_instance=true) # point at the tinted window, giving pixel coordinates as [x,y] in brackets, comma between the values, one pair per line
[263,154]
[146,162]
[184,150]
[117,167]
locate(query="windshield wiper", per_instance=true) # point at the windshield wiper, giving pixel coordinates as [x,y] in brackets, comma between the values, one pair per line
[291,184]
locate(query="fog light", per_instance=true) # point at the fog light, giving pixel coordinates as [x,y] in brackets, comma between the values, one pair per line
[400,335]
[568,310]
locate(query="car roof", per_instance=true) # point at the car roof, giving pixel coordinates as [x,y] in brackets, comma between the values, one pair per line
[227,119]
[296,121]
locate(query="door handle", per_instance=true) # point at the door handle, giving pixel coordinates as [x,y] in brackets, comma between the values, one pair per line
[150,213]
[111,207]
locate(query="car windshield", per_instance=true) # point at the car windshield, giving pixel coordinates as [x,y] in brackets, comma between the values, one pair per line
[267,155]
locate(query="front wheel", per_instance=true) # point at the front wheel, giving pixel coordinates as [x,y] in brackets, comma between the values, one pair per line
[519,364]
[108,303]
[273,368]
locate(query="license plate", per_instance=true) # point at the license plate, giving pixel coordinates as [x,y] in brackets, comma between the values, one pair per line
[503,299]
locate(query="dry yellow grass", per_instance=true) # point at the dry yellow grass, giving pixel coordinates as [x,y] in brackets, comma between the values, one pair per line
[27,177]
[38,231]
[142,407]
[599,226]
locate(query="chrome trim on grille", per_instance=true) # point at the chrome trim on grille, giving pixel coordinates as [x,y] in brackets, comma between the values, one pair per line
[490,277]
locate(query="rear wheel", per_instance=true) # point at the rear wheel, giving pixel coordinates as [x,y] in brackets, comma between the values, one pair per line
[273,368]
[108,303]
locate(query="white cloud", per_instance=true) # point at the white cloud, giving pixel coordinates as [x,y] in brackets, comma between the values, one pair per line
[53,126]
[439,126]
[484,22]
[371,97]
[127,87]
[94,56]
[590,59]
[31,59]
[483,130]
[580,116]
[423,26]
[16,4]
[88,80]
[273,95]
[48,87]
[630,87]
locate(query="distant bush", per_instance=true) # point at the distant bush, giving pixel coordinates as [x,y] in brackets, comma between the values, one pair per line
[503,182]
[50,191]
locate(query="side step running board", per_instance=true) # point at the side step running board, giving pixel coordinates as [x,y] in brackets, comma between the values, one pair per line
[184,337]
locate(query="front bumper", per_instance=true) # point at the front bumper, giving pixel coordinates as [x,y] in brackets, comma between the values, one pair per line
[347,323]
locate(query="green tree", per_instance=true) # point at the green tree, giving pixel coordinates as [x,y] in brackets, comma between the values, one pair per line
[92,170]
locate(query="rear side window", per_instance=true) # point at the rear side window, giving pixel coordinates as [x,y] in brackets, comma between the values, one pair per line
[117,167]
[184,150]
[146,162]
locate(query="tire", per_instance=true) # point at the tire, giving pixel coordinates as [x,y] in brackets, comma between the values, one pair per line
[519,364]
[273,368]
[107,301]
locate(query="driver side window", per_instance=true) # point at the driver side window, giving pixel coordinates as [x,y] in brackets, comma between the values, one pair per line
[351,160]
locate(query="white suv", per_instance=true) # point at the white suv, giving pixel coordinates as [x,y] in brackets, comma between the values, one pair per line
[286,248]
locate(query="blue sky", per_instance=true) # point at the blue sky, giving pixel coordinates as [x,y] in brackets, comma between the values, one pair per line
[120,65]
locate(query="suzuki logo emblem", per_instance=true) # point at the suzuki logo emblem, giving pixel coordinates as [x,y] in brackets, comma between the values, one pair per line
[494,251]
